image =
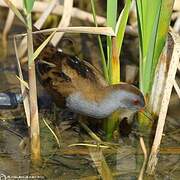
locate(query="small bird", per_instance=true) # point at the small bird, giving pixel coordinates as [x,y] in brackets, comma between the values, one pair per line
[79,86]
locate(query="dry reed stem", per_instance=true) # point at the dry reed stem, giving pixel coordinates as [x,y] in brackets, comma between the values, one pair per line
[34,122]
[23,82]
[164,105]
[175,15]
[109,151]
[177,88]
[176,26]
[81,29]
[100,163]
[23,88]
[53,133]
[159,82]
[143,147]
[90,132]
[7,27]
[96,154]
[176,5]
[64,22]
[47,11]
[40,6]
[34,116]
[108,31]
[179,66]
[38,24]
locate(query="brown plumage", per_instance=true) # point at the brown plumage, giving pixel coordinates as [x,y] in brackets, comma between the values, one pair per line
[80,86]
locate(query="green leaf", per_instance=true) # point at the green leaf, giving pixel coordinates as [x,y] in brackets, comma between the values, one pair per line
[103,60]
[148,76]
[153,24]
[121,24]
[111,22]
[28,4]
[164,21]
[111,13]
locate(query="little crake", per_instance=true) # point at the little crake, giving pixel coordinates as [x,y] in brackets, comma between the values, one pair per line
[81,87]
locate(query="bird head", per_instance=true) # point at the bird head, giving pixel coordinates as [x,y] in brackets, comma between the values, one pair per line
[127,96]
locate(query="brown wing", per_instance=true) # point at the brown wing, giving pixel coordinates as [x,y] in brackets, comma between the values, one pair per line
[67,74]
[62,74]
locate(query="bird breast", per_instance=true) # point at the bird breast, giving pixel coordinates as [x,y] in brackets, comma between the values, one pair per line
[96,109]
[77,103]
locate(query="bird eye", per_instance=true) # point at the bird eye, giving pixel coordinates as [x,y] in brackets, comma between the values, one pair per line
[136,101]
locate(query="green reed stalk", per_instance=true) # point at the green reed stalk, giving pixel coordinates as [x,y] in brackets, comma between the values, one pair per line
[103,60]
[153,24]
[111,66]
